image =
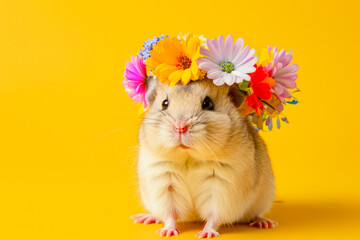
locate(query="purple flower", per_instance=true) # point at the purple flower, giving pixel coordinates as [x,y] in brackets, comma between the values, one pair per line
[282,71]
[135,77]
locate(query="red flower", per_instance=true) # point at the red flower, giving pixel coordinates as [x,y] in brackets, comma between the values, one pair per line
[260,83]
[255,103]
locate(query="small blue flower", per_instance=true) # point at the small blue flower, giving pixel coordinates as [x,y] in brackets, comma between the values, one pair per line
[148,46]
[269,123]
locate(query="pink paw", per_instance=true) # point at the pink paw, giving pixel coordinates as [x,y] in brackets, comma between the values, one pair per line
[260,222]
[207,234]
[168,232]
[144,218]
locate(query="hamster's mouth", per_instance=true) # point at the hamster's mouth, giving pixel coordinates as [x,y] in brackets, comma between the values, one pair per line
[183,146]
[181,141]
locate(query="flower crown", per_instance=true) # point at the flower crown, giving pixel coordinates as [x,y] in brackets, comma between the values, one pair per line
[265,79]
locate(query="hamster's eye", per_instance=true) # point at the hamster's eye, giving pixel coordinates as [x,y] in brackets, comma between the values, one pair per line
[207,104]
[165,104]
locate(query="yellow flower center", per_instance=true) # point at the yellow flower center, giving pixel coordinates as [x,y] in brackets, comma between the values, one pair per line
[184,62]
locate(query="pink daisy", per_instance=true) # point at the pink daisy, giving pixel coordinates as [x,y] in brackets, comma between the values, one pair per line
[135,77]
[283,73]
[226,62]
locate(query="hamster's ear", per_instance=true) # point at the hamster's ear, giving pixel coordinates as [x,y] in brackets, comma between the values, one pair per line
[236,96]
[150,94]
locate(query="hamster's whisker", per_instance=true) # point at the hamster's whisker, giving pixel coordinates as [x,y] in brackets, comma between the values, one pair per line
[167,114]
[213,150]
[193,124]
[102,136]
[217,149]
[199,115]
[134,148]
[154,119]
[197,122]
[208,147]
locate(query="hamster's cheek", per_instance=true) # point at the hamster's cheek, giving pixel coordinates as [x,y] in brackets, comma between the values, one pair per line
[168,138]
[212,129]
[164,136]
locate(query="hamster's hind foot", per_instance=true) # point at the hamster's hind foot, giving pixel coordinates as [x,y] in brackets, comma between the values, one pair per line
[260,222]
[144,218]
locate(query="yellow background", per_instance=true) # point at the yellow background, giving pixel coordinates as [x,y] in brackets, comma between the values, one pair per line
[65,175]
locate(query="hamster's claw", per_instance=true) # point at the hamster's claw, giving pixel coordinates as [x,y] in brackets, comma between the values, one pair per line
[207,233]
[144,218]
[168,232]
[260,222]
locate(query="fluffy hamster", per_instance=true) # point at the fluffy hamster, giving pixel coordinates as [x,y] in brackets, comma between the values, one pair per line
[199,159]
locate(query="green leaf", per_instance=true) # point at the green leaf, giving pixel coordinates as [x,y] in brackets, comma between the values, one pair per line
[244,86]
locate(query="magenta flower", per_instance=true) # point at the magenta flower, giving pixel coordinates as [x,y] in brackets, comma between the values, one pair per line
[283,73]
[135,77]
[226,62]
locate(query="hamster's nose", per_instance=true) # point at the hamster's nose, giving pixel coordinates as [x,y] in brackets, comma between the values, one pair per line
[181,127]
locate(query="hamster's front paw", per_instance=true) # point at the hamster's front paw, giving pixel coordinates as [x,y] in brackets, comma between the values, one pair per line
[144,218]
[207,233]
[260,222]
[168,231]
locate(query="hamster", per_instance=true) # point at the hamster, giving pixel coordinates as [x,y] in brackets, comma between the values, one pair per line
[200,160]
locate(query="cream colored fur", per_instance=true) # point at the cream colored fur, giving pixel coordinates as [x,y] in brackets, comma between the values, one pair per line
[225,174]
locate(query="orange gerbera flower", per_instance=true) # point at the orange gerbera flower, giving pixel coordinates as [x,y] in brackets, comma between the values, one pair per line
[173,60]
